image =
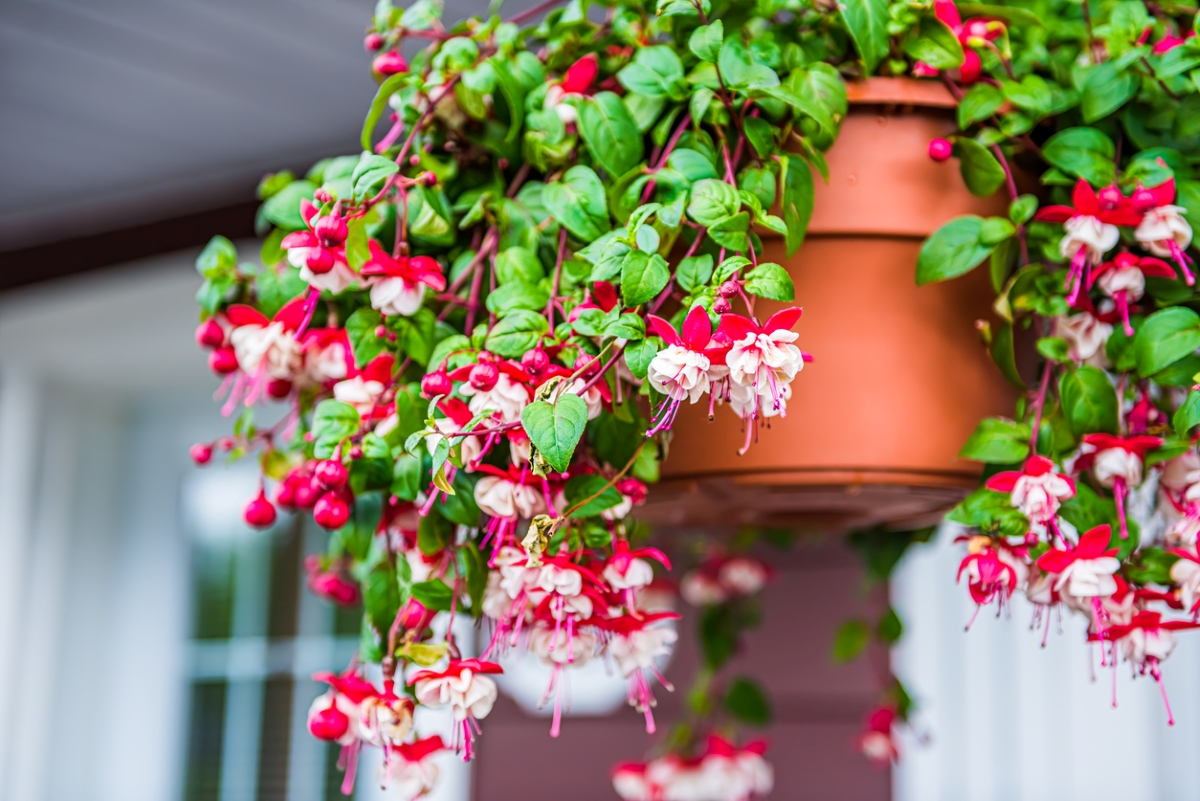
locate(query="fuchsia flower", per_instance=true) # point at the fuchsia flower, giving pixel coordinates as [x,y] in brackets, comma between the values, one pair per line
[992,572]
[466,688]
[1037,491]
[720,577]
[366,391]
[416,774]
[635,645]
[497,384]
[877,742]
[1186,573]
[1124,280]
[1086,332]
[508,496]
[723,772]
[266,349]
[973,33]
[1086,571]
[761,362]
[1145,642]
[1163,230]
[1091,229]
[398,284]
[1117,462]
[320,251]
[681,369]
[576,81]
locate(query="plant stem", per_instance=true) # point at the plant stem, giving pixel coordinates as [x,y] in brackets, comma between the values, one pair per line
[1012,192]
[1038,405]
[562,250]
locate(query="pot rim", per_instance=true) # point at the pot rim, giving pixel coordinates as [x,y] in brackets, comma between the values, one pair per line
[923,93]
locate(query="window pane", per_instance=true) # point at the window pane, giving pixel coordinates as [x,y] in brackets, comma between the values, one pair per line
[276,732]
[212,577]
[285,580]
[204,742]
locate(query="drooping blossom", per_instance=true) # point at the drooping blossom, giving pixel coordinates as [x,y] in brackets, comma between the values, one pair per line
[507,497]
[413,773]
[1091,229]
[1117,462]
[496,384]
[1124,280]
[1186,573]
[878,742]
[398,284]
[993,571]
[365,391]
[721,577]
[629,570]
[1086,335]
[320,252]
[1145,642]
[1037,490]
[681,369]
[576,81]
[635,645]
[466,688]
[331,583]
[266,348]
[1085,572]
[1164,231]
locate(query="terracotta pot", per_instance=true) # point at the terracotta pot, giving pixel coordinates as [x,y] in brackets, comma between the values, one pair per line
[900,377]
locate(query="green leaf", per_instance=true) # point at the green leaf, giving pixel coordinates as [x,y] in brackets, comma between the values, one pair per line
[740,71]
[370,172]
[384,93]
[516,333]
[1088,401]
[797,182]
[933,42]
[761,135]
[218,259]
[692,165]
[730,232]
[1032,94]
[610,133]
[953,250]
[706,41]
[995,230]
[518,264]
[406,477]
[434,594]
[475,571]
[643,276]
[694,272]
[283,208]
[997,441]
[381,602]
[1166,337]
[1004,354]
[1021,210]
[867,22]
[580,488]
[890,629]
[555,429]
[712,200]
[1084,153]
[770,281]
[638,356]
[748,702]
[1188,415]
[656,73]
[578,203]
[850,641]
[360,328]
[334,421]
[980,169]
[1107,89]
[979,103]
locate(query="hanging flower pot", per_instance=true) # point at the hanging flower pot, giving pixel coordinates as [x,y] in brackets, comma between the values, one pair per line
[899,376]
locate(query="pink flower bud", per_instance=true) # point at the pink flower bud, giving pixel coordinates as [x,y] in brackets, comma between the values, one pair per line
[1144,200]
[319,260]
[415,616]
[940,149]
[1110,197]
[380,331]
[729,288]
[579,76]
[223,360]
[372,42]
[722,306]
[356,453]
[259,512]
[331,474]
[535,361]
[435,384]
[389,63]
[331,512]
[307,493]
[201,453]
[285,495]
[332,231]
[210,334]
[279,388]
[484,376]
[321,196]
[329,724]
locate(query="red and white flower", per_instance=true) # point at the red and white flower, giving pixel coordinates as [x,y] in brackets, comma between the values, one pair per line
[413,773]
[1163,230]
[635,645]
[1124,280]
[878,742]
[681,369]
[1116,462]
[320,252]
[1086,335]
[1037,491]
[576,81]
[398,284]
[1091,229]
[465,687]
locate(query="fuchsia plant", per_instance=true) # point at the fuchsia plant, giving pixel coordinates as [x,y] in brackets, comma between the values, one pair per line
[481,328]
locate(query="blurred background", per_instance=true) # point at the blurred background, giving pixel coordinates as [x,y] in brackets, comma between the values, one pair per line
[152,648]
